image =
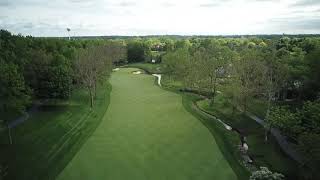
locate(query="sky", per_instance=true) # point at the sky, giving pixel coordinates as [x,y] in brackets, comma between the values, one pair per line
[159,17]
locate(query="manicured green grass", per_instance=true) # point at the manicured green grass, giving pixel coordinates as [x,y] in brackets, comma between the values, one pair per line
[264,154]
[148,134]
[44,144]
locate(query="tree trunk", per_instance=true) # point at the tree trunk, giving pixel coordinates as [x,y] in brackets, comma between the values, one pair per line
[267,114]
[9,134]
[266,135]
[213,82]
[7,124]
[95,90]
[267,132]
[245,104]
[91,97]
[233,110]
[234,105]
[214,90]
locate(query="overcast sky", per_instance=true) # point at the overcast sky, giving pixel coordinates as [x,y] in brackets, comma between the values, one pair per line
[151,17]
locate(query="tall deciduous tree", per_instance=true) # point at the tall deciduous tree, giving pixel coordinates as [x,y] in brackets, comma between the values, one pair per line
[213,65]
[274,80]
[94,65]
[248,73]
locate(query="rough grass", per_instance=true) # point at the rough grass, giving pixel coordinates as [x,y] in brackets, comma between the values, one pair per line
[264,154]
[148,134]
[45,143]
[258,107]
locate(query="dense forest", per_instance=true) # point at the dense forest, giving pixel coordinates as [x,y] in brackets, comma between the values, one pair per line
[48,68]
[282,73]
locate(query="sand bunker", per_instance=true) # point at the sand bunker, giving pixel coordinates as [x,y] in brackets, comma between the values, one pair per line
[159,78]
[136,72]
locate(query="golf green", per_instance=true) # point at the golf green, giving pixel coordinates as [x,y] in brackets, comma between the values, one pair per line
[146,134]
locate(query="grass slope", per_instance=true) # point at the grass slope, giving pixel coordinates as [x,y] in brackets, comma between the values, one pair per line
[228,141]
[148,134]
[45,143]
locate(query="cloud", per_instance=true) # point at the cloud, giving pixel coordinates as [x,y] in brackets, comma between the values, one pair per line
[216,3]
[266,0]
[168,4]
[296,25]
[127,3]
[141,17]
[209,5]
[78,1]
[4,3]
[306,3]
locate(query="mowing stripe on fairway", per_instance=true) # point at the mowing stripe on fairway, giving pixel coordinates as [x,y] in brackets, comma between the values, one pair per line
[146,134]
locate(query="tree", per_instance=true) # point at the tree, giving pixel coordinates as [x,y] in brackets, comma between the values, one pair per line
[247,74]
[137,51]
[303,126]
[14,95]
[265,174]
[282,118]
[274,80]
[297,70]
[311,89]
[87,65]
[59,78]
[177,64]
[211,65]
[36,72]
[276,76]
[183,44]
[169,44]
[94,65]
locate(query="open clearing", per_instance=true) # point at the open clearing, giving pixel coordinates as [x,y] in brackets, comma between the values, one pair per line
[147,134]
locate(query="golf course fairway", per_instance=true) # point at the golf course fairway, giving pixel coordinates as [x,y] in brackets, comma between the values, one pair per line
[146,134]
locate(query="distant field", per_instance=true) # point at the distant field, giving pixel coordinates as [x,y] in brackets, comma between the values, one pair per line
[147,134]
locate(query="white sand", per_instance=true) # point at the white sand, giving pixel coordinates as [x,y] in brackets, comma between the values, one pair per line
[245,146]
[159,78]
[228,127]
[136,72]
